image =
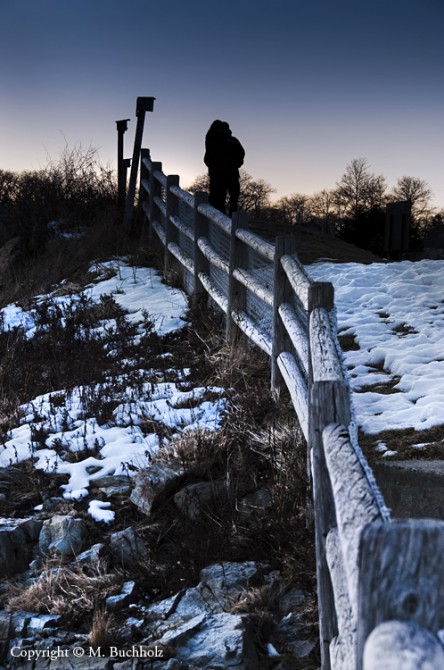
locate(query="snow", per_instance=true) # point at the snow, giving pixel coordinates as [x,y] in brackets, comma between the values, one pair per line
[395,311]
[136,290]
[77,445]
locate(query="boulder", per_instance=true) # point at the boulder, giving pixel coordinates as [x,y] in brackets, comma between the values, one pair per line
[214,641]
[93,554]
[254,506]
[112,485]
[122,599]
[5,633]
[62,536]
[155,483]
[127,548]
[17,537]
[220,585]
[223,583]
[194,499]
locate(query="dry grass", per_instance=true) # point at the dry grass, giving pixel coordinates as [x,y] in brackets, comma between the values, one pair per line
[259,447]
[101,634]
[405,442]
[71,591]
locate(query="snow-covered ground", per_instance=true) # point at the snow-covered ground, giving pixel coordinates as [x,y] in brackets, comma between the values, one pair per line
[395,311]
[122,447]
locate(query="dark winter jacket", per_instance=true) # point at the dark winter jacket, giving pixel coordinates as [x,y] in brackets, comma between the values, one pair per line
[223,152]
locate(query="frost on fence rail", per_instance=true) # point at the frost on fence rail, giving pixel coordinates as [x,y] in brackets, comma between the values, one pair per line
[357,501]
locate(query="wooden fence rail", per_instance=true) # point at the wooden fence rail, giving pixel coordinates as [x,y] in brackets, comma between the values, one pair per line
[380,581]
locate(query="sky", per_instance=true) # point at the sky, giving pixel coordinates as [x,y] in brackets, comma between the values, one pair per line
[398,328]
[307,86]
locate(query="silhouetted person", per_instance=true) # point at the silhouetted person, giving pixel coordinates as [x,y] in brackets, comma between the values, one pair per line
[224,155]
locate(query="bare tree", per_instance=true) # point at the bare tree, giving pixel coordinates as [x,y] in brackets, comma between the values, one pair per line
[419,194]
[254,193]
[294,209]
[201,183]
[359,191]
[323,210]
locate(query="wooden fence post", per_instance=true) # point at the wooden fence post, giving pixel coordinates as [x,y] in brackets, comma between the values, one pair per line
[171,210]
[329,403]
[143,105]
[155,191]
[237,293]
[144,177]
[122,127]
[397,645]
[401,578]
[199,260]
[285,244]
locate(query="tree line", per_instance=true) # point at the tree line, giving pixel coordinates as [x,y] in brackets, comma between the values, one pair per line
[70,192]
[354,209]
[75,189]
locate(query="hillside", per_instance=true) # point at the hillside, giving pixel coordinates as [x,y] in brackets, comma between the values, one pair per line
[313,245]
[138,463]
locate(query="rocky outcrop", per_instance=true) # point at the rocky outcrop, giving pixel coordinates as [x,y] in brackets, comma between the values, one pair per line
[127,548]
[155,483]
[62,536]
[203,626]
[17,539]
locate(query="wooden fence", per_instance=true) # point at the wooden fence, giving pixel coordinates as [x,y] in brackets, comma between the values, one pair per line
[380,580]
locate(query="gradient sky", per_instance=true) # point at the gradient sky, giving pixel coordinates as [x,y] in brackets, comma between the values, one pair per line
[306,86]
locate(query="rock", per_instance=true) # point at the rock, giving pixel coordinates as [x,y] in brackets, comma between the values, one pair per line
[62,642]
[291,601]
[92,555]
[154,483]
[125,597]
[219,587]
[62,536]
[112,485]
[193,499]
[127,548]
[32,528]
[255,505]
[5,632]
[291,636]
[37,623]
[16,542]
[223,583]
[215,641]
[57,505]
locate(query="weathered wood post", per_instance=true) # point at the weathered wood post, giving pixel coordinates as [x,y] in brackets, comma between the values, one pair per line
[284,245]
[122,127]
[144,186]
[155,192]
[399,645]
[401,579]
[171,210]
[237,293]
[199,260]
[329,403]
[143,105]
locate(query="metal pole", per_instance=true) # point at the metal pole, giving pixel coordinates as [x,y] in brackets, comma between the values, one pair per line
[143,105]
